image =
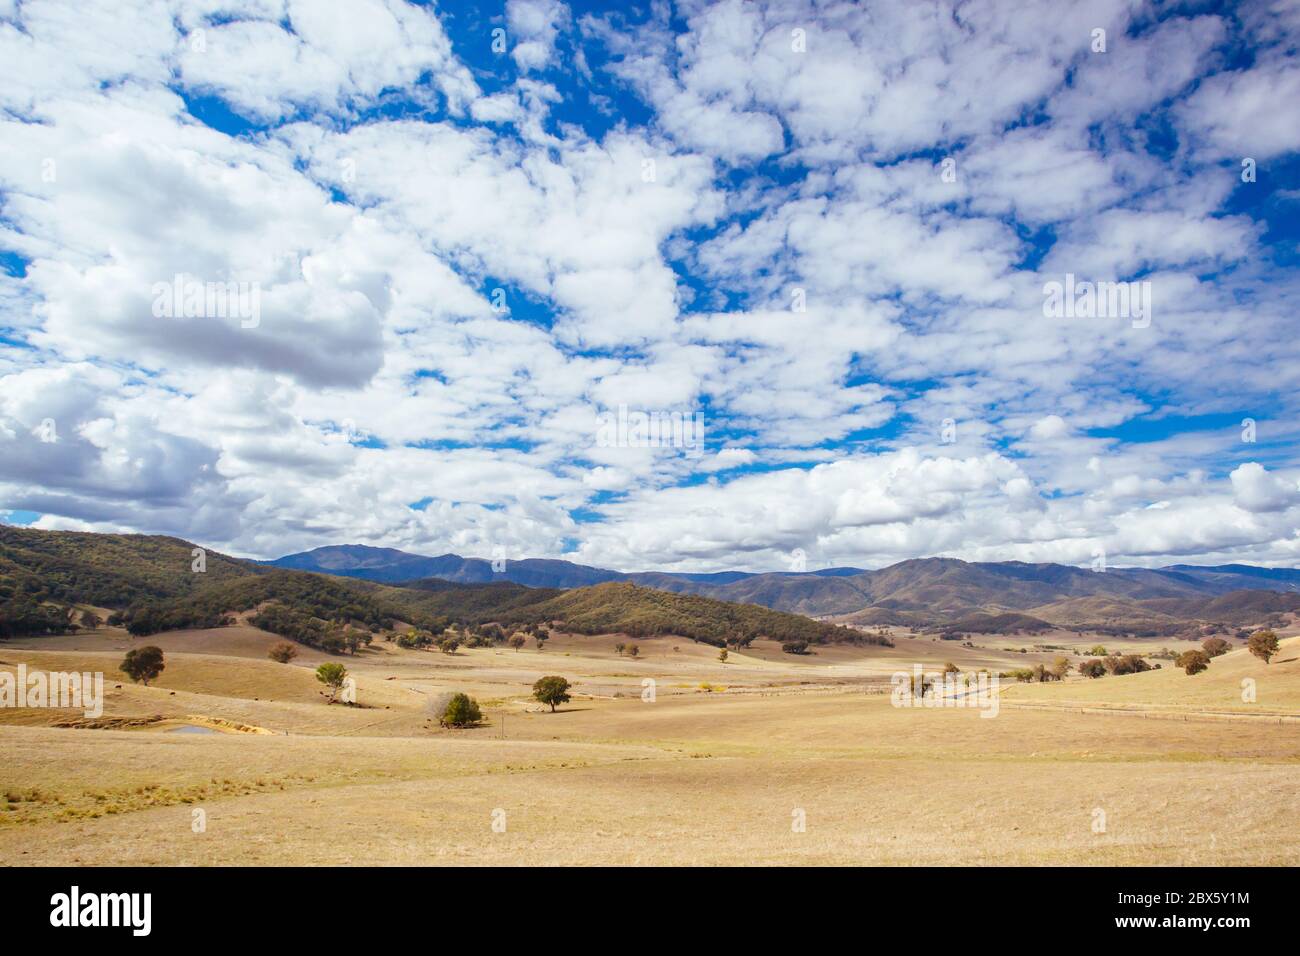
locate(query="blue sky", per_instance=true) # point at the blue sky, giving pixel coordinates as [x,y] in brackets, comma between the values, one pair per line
[475,232]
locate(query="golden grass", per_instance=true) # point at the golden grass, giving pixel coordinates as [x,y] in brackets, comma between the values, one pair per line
[698,776]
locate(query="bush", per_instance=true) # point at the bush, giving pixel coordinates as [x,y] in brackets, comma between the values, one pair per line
[795,647]
[1215,646]
[1092,668]
[1126,664]
[1193,662]
[282,653]
[462,711]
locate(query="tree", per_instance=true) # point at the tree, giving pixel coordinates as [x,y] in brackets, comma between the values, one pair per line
[332,675]
[552,690]
[1263,644]
[1092,668]
[283,652]
[449,645]
[619,648]
[1193,662]
[1215,646]
[634,651]
[722,655]
[795,647]
[462,711]
[1060,667]
[143,663]
[90,620]
[517,641]
[1097,651]
[951,668]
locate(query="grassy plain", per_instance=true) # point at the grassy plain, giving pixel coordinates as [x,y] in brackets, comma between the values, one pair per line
[722,767]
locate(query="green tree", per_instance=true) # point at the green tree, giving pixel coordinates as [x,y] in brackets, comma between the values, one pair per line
[722,655]
[90,620]
[619,648]
[462,711]
[517,641]
[1263,644]
[143,664]
[552,690]
[332,675]
[1193,662]
[449,645]
[1215,646]
[282,653]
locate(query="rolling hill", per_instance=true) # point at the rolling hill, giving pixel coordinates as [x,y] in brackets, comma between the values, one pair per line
[920,591]
[150,584]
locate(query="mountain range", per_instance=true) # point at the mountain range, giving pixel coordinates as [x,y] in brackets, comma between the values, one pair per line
[922,591]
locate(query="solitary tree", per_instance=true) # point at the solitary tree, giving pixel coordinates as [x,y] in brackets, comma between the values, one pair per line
[722,655]
[462,711]
[1215,646]
[283,652]
[619,648]
[332,675]
[552,690]
[1263,644]
[1193,662]
[449,645]
[517,641]
[143,663]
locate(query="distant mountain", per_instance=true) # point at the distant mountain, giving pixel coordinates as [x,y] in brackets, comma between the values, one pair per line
[391,566]
[157,580]
[917,591]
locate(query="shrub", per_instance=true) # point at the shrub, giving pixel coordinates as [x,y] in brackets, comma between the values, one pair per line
[282,653]
[462,711]
[1092,668]
[795,647]
[1193,662]
[1215,646]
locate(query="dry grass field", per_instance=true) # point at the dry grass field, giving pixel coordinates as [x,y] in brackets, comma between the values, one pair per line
[722,767]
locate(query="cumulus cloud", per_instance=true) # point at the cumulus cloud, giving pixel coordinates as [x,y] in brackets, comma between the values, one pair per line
[824,229]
